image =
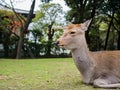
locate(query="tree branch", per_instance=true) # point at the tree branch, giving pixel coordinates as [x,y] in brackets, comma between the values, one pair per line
[29,17]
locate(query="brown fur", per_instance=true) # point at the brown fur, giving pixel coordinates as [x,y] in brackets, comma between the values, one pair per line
[107,62]
[72,26]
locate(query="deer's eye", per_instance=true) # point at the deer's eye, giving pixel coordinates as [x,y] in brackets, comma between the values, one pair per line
[72,32]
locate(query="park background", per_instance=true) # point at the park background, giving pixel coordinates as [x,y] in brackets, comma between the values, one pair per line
[32,32]
[29,57]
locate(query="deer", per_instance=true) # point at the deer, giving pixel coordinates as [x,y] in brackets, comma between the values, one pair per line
[100,69]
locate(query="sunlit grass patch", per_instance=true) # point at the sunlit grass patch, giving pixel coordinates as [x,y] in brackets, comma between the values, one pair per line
[40,74]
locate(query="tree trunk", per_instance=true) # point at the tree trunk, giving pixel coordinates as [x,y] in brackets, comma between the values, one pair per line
[118,41]
[6,44]
[50,36]
[20,44]
[24,31]
[108,31]
[91,16]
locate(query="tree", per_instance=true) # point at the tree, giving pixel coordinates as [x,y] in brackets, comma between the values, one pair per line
[48,16]
[9,25]
[24,30]
[82,10]
[4,27]
[110,9]
[24,26]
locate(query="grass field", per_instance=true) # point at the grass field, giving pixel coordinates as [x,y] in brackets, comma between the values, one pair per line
[40,74]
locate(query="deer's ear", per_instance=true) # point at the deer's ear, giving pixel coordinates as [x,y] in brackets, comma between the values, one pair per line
[86,24]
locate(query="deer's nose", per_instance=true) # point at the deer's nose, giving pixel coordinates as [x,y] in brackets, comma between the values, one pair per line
[57,42]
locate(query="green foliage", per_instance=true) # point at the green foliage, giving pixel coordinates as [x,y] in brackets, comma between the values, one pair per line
[39,15]
[81,9]
[47,20]
[48,13]
[4,19]
[9,30]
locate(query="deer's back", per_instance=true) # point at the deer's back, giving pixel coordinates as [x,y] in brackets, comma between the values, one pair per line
[106,63]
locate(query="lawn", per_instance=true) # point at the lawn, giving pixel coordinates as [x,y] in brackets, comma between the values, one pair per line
[40,74]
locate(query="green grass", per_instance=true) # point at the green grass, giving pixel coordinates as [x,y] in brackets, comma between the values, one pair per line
[40,74]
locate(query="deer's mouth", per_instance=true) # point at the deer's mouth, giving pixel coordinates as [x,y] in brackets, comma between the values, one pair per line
[60,45]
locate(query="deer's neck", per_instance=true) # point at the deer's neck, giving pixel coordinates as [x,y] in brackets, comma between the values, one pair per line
[81,56]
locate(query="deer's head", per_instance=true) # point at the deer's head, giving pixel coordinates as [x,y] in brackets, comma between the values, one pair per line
[73,35]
